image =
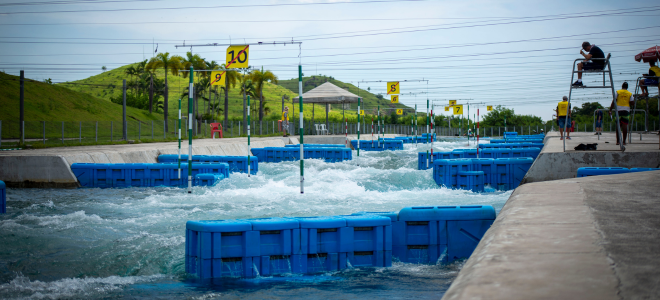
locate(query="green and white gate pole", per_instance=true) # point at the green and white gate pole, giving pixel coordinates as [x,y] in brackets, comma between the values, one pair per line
[378,126]
[248,135]
[179,138]
[427,132]
[302,153]
[357,160]
[191,89]
[416,125]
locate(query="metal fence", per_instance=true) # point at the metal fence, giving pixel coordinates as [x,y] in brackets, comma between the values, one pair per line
[91,132]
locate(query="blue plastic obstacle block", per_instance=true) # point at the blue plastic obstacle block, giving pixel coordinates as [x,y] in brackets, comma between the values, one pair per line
[525,152]
[500,178]
[466,225]
[273,242]
[518,168]
[220,248]
[418,236]
[471,181]
[318,145]
[425,160]
[466,153]
[236,163]
[512,133]
[3,197]
[368,145]
[405,139]
[324,242]
[643,169]
[277,154]
[593,171]
[393,145]
[208,179]
[484,165]
[456,154]
[369,240]
[141,175]
[445,171]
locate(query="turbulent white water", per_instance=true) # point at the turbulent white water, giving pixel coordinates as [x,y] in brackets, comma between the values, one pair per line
[99,243]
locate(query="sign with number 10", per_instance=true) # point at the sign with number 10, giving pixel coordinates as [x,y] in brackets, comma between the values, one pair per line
[237,56]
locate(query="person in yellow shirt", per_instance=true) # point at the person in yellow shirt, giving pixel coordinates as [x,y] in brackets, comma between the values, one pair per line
[285,121]
[624,100]
[651,79]
[562,120]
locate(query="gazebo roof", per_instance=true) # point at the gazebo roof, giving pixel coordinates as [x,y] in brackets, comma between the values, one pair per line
[329,93]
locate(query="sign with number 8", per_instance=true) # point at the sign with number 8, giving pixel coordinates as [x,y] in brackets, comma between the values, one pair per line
[393,88]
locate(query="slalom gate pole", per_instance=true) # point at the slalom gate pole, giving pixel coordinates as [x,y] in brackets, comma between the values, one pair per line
[378,127]
[427,132]
[179,138]
[372,132]
[477,133]
[248,135]
[346,130]
[302,152]
[357,160]
[416,130]
[468,125]
[191,90]
[432,133]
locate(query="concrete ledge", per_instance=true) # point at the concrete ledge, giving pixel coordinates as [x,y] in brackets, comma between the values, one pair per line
[37,172]
[586,238]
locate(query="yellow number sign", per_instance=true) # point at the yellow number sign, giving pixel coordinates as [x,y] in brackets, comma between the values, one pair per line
[395,98]
[393,88]
[452,102]
[489,107]
[447,108]
[218,78]
[458,109]
[362,112]
[237,56]
[399,111]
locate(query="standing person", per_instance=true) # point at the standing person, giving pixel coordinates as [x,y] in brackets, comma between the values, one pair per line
[593,53]
[623,100]
[285,121]
[599,123]
[653,76]
[562,119]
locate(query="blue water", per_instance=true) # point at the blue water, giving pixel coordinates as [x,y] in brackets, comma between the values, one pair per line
[109,243]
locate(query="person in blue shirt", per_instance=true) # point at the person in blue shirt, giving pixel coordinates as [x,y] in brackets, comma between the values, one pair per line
[599,123]
[597,64]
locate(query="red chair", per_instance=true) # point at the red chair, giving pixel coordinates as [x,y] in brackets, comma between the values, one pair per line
[216,127]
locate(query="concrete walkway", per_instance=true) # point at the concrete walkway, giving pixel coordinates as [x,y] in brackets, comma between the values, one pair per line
[553,163]
[584,238]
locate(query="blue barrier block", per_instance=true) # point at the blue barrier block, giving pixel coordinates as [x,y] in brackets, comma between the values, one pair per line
[471,181]
[501,180]
[138,175]
[208,179]
[456,154]
[419,237]
[405,139]
[593,171]
[322,240]
[162,174]
[337,154]
[3,197]
[220,248]
[274,241]
[487,153]
[369,240]
[317,145]
[393,145]
[643,169]
[174,158]
[85,173]
[466,225]
[445,171]
[484,165]
[510,133]
[466,153]
[277,154]
[518,169]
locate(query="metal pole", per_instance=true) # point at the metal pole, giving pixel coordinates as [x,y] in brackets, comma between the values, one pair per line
[477,132]
[248,135]
[123,115]
[44,130]
[416,128]
[80,132]
[152,129]
[191,89]
[302,152]
[96,134]
[179,160]
[111,126]
[427,132]
[62,133]
[22,107]
[358,131]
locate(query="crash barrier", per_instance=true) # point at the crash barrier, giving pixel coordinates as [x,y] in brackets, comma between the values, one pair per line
[94,175]
[375,145]
[208,179]
[3,197]
[237,164]
[309,245]
[594,171]
[509,134]
[425,160]
[318,145]
[500,173]
[280,154]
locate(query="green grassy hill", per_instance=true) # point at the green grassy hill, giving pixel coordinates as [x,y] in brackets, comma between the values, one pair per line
[47,102]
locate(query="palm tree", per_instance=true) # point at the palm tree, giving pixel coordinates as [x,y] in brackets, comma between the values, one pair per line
[131,71]
[231,78]
[173,63]
[212,65]
[260,77]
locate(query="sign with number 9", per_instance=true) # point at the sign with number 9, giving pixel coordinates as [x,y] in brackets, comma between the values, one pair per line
[447,108]
[218,78]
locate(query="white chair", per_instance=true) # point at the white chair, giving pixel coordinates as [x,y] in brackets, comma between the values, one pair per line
[320,129]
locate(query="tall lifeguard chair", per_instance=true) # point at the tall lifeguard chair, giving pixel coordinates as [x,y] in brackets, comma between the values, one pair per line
[607,70]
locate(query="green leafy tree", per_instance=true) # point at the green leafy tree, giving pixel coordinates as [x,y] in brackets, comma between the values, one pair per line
[168,63]
[231,78]
[260,77]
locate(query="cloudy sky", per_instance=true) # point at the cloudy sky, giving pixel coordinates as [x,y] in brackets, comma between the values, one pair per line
[513,53]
